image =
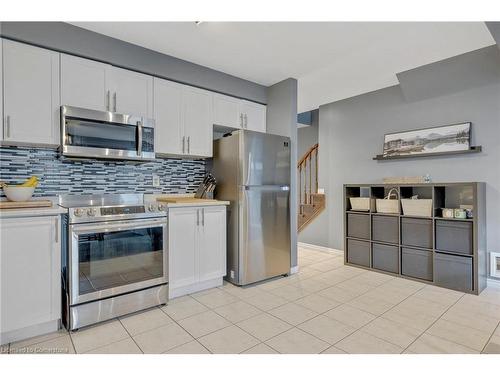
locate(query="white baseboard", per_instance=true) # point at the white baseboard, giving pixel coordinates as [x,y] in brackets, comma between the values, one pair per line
[29,332]
[294,270]
[493,282]
[319,248]
[193,288]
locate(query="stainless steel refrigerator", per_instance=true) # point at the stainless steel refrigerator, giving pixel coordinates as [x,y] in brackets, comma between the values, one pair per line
[252,170]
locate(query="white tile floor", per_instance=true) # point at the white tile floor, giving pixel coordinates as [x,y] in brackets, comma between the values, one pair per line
[325,308]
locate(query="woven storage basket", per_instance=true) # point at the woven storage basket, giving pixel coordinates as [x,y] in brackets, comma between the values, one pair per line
[360,204]
[417,207]
[388,205]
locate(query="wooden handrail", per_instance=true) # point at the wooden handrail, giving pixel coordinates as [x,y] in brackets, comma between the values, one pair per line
[307,154]
[308,182]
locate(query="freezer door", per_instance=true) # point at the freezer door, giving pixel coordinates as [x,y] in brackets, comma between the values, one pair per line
[264,233]
[265,159]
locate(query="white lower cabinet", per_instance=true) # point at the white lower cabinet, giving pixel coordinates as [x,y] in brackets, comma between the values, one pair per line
[30,275]
[197,248]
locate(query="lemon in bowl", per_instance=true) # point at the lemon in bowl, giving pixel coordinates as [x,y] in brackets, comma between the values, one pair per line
[21,193]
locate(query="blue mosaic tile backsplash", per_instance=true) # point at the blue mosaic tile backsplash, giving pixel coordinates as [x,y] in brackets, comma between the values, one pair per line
[66,176]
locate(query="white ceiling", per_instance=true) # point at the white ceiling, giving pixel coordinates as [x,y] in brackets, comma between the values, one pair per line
[331,60]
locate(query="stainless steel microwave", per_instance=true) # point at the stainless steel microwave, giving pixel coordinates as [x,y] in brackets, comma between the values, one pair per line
[86,133]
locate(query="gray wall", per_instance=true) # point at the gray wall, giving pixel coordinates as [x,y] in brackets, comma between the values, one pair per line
[351,133]
[282,120]
[74,40]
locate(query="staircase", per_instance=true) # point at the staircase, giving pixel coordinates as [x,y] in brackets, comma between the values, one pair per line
[311,203]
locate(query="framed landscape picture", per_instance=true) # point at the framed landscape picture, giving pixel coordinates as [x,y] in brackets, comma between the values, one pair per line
[439,139]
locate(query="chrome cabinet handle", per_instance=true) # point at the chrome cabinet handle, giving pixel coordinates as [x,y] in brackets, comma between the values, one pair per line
[241,120]
[114,99]
[7,127]
[203,217]
[246,121]
[183,144]
[197,217]
[189,144]
[108,101]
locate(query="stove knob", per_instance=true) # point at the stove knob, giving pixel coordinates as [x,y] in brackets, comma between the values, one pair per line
[91,211]
[151,207]
[78,212]
[161,207]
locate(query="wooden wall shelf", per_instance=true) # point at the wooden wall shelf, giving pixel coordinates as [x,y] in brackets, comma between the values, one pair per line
[472,150]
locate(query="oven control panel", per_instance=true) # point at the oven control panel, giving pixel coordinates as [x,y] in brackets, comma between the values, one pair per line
[87,214]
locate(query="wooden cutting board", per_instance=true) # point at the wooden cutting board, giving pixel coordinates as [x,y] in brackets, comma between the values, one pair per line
[26,204]
[183,200]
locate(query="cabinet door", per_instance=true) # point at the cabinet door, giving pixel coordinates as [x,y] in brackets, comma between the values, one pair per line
[167,114]
[182,233]
[1,91]
[30,272]
[84,83]
[30,94]
[212,243]
[226,111]
[197,120]
[254,116]
[132,92]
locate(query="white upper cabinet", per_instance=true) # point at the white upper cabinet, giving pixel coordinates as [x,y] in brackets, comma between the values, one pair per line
[169,131]
[226,111]
[90,84]
[197,119]
[84,83]
[30,94]
[254,116]
[132,93]
[1,90]
[183,119]
[239,114]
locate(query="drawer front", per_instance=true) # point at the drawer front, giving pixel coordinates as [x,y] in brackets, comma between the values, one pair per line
[385,257]
[416,232]
[454,236]
[453,271]
[358,226]
[416,263]
[385,229]
[358,252]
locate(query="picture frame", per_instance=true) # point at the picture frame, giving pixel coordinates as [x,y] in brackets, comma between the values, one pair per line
[433,140]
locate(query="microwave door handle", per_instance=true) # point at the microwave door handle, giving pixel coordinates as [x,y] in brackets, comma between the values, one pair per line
[139,138]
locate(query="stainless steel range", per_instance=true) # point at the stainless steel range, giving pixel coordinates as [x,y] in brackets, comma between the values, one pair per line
[114,257]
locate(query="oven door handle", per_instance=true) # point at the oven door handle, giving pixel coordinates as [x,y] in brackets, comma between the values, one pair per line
[107,227]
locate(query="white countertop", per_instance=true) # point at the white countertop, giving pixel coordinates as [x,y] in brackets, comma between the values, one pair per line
[30,212]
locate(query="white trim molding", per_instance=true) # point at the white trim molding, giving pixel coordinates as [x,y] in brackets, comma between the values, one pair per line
[319,248]
[294,269]
[493,282]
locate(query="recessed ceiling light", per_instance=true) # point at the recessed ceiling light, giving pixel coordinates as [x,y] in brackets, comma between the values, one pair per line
[198,23]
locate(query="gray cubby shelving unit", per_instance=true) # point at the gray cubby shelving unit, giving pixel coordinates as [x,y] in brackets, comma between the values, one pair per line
[446,252]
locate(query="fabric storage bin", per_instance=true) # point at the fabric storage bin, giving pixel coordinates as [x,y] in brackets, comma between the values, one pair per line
[385,228]
[454,236]
[358,252]
[416,232]
[416,263]
[417,207]
[358,225]
[385,257]
[453,271]
[360,204]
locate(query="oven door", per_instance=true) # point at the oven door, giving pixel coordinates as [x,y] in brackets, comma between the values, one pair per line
[112,258]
